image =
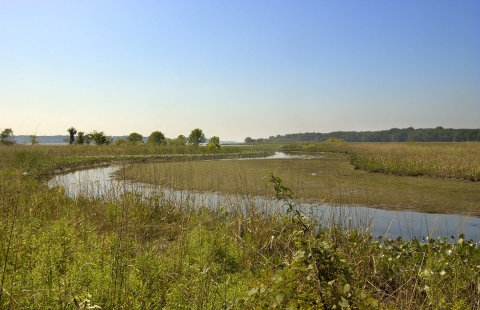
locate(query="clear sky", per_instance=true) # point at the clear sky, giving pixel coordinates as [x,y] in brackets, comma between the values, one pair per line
[238,68]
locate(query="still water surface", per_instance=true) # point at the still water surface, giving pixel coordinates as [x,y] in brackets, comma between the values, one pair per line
[100,182]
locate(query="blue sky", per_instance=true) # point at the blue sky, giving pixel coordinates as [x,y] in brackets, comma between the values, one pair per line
[238,68]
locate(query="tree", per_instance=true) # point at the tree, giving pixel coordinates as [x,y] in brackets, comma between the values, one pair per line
[196,137]
[181,140]
[99,137]
[33,139]
[214,142]
[88,138]
[6,137]
[81,137]
[135,138]
[120,141]
[249,140]
[156,138]
[72,131]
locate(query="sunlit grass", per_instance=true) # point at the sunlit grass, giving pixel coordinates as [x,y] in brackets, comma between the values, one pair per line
[442,160]
[43,161]
[141,251]
[330,179]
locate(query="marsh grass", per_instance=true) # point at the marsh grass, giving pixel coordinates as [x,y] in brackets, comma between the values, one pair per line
[441,160]
[42,161]
[330,179]
[148,251]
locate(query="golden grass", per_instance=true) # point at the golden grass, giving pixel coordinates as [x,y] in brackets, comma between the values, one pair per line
[444,160]
[330,179]
[111,150]
[42,161]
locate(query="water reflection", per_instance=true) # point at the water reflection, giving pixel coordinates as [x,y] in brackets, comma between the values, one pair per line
[99,182]
[282,155]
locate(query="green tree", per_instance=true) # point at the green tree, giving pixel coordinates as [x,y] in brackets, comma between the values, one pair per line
[135,138]
[214,143]
[99,137]
[120,141]
[33,139]
[72,131]
[181,140]
[196,137]
[249,140]
[6,137]
[156,138]
[88,139]
[80,137]
[472,135]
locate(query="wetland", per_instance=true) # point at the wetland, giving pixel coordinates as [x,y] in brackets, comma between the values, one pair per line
[152,227]
[325,185]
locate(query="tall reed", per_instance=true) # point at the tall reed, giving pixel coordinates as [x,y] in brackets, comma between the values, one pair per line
[444,160]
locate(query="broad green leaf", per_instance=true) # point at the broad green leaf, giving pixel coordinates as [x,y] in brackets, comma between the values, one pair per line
[344,303]
[253,291]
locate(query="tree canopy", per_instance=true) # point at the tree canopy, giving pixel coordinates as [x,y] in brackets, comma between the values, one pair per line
[196,137]
[6,137]
[135,138]
[33,139]
[181,140]
[80,137]
[99,137]
[438,134]
[156,138]
[120,141]
[214,142]
[72,131]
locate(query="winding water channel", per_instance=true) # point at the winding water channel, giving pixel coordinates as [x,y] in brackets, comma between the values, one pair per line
[99,182]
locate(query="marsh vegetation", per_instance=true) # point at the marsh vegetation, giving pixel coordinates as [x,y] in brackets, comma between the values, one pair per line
[329,179]
[147,251]
[440,160]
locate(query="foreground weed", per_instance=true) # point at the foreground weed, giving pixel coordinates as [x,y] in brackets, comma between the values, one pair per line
[316,275]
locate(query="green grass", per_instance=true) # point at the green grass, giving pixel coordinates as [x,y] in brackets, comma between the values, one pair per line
[43,161]
[150,252]
[334,181]
[441,160]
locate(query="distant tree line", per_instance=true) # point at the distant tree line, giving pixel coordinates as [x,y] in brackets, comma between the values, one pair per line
[195,138]
[75,137]
[409,134]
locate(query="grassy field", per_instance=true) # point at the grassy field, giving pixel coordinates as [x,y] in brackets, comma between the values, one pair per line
[148,252]
[441,160]
[330,179]
[44,160]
